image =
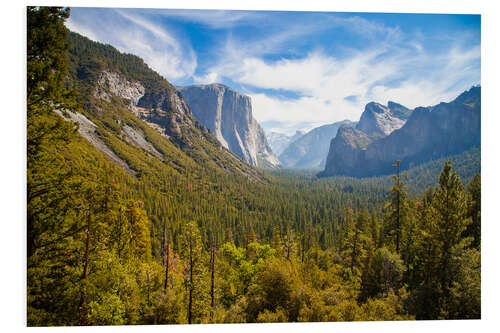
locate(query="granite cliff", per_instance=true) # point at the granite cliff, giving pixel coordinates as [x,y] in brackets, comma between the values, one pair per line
[228,116]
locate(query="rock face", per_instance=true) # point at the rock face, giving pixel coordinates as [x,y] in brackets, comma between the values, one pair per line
[166,108]
[111,82]
[279,141]
[430,133]
[228,115]
[346,151]
[378,120]
[311,149]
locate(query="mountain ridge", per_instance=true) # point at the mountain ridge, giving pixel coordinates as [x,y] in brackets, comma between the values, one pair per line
[429,133]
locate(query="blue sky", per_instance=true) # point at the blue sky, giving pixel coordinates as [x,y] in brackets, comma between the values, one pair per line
[301,69]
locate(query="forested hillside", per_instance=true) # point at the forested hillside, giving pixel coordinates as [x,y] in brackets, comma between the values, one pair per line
[131,223]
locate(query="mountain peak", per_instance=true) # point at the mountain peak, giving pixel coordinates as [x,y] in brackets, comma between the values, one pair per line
[470,96]
[379,120]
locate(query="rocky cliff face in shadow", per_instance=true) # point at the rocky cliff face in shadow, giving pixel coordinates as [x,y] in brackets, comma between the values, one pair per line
[228,115]
[429,133]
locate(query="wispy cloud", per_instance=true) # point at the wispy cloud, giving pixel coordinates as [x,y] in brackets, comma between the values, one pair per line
[133,33]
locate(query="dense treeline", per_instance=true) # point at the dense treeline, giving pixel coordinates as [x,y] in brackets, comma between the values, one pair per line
[183,242]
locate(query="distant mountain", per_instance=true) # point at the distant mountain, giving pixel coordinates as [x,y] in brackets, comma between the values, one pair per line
[309,151]
[228,115]
[279,141]
[428,134]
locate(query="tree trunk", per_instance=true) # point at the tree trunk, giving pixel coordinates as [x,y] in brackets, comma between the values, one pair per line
[166,256]
[190,304]
[167,266]
[83,310]
[212,279]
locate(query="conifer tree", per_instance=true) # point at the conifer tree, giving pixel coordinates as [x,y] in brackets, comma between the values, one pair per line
[196,279]
[474,211]
[450,204]
[397,208]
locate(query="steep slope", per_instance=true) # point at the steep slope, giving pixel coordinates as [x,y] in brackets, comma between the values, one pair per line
[228,115]
[133,106]
[430,133]
[310,150]
[378,120]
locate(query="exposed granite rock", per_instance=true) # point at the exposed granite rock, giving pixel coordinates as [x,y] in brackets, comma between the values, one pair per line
[310,150]
[228,115]
[378,120]
[111,82]
[430,133]
[346,152]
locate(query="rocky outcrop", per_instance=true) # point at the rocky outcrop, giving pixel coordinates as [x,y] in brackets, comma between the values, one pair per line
[378,120]
[111,82]
[311,149]
[228,116]
[346,152]
[430,133]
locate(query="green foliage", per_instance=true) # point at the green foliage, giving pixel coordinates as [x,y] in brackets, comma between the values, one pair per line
[474,211]
[288,246]
[465,292]
[396,211]
[383,274]
[196,274]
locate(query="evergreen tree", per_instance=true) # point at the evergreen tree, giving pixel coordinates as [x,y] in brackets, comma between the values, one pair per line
[196,274]
[474,211]
[450,204]
[397,209]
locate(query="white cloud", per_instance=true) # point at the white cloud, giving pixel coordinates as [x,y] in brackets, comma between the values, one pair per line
[211,77]
[302,113]
[82,30]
